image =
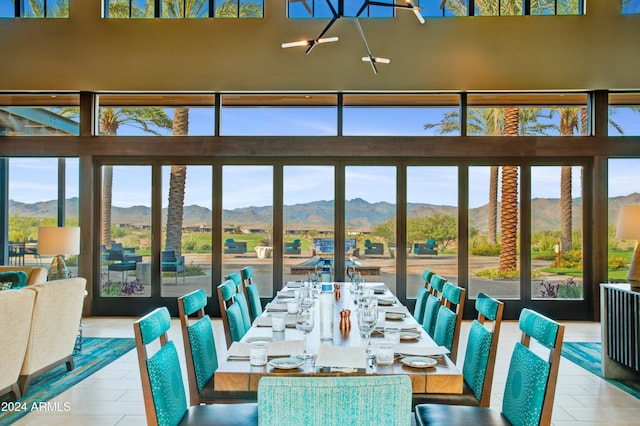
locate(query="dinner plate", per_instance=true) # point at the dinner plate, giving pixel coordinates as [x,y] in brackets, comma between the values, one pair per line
[386,301]
[258,339]
[409,335]
[395,316]
[287,363]
[418,361]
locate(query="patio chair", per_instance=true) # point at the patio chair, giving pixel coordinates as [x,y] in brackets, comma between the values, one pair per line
[447,328]
[344,401]
[251,292]
[165,402]
[529,389]
[429,248]
[373,248]
[200,352]
[479,359]
[293,248]
[235,247]
[173,263]
[232,321]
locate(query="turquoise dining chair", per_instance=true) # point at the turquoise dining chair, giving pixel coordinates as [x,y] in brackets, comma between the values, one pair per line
[200,352]
[232,318]
[345,401]
[479,359]
[251,292]
[240,298]
[447,327]
[421,298]
[165,401]
[530,387]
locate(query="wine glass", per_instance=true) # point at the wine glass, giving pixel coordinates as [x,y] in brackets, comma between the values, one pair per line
[306,297]
[367,319]
[304,323]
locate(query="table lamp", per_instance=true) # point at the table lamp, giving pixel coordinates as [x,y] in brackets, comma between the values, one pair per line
[629,229]
[58,241]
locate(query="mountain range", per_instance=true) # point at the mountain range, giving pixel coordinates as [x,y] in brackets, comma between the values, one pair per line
[361,214]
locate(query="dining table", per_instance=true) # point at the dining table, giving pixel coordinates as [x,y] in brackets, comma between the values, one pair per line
[343,355]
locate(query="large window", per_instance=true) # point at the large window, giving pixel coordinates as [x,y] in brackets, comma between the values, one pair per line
[630,6]
[624,114]
[184,9]
[34,9]
[432,224]
[503,7]
[160,115]
[320,9]
[51,114]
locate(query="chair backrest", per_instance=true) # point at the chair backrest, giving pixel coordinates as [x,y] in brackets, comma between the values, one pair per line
[165,402]
[199,344]
[436,285]
[168,256]
[361,400]
[251,292]
[418,311]
[232,321]
[426,277]
[531,380]
[240,298]
[447,328]
[482,346]
[431,308]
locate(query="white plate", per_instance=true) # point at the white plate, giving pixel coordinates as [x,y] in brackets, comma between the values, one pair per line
[259,339]
[409,335]
[395,316]
[386,301]
[418,361]
[287,363]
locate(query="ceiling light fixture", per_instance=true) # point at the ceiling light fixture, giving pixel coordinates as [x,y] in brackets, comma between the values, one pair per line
[338,14]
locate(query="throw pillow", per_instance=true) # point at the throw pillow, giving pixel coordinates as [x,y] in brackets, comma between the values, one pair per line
[13,279]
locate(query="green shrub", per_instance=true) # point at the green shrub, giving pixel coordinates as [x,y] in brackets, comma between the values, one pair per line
[616,263]
[569,260]
[486,250]
[205,247]
[495,273]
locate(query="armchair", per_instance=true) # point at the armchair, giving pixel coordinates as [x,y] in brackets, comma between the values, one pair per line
[293,248]
[373,248]
[173,263]
[429,248]
[235,247]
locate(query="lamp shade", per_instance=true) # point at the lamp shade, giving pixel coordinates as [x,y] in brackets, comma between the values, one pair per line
[629,222]
[59,240]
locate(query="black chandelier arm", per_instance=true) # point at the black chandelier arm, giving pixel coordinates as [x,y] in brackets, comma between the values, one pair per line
[394,5]
[324,31]
[333,9]
[366,45]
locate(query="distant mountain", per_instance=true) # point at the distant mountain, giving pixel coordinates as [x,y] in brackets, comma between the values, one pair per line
[360,213]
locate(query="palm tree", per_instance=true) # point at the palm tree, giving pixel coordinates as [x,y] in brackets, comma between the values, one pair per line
[59,9]
[177,183]
[147,119]
[509,206]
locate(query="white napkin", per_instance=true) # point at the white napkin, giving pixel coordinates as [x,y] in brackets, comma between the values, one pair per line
[340,356]
[240,350]
[276,307]
[294,284]
[265,321]
[412,349]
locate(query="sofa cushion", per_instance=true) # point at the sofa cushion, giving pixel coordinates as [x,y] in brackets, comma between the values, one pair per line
[13,279]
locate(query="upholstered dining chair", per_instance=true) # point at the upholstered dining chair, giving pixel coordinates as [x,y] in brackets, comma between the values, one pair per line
[240,298]
[421,298]
[200,352]
[165,402]
[232,319]
[479,359]
[530,387]
[432,303]
[344,401]
[251,292]
[447,328]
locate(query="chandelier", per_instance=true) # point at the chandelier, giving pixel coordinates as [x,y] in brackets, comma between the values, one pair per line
[339,14]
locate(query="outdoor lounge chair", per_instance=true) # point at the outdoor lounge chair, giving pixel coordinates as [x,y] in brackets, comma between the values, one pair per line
[373,248]
[173,263]
[235,247]
[293,248]
[429,248]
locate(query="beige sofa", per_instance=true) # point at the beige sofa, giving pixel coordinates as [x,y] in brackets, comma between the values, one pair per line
[16,310]
[56,310]
[37,274]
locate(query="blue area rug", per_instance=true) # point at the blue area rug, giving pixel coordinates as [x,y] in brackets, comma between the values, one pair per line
[587,356]
[96,353]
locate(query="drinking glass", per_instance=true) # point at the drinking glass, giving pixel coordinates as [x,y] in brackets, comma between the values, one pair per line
[306,297]
[304,323]
[367,320]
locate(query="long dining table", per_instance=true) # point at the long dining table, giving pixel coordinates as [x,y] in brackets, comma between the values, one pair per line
[236,374]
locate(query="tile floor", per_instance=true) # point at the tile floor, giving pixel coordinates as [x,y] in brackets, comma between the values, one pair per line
[113,395]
